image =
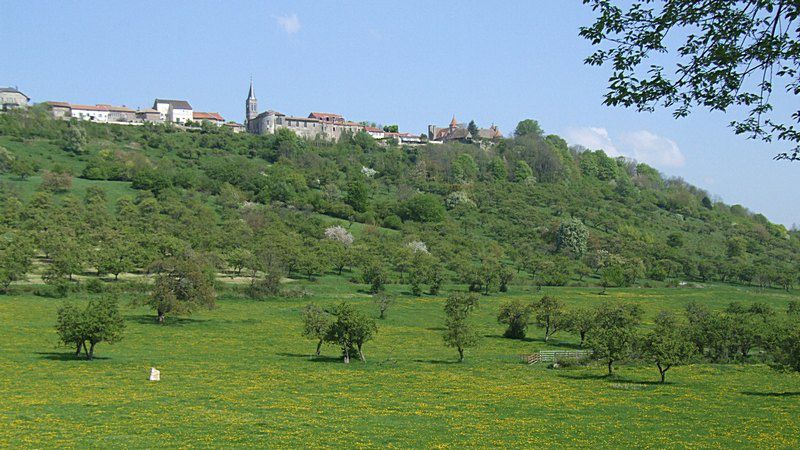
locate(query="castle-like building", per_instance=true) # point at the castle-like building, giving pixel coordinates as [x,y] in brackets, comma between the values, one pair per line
[316,125]
[460,132]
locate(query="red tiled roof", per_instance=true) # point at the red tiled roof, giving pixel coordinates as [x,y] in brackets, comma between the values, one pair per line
[60,104]
[322,115]
[90,107]
[207,116]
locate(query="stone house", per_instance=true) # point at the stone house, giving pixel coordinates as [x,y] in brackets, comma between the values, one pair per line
[11,98]
[59,110]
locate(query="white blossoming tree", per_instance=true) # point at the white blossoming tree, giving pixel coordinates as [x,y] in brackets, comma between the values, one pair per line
[339,234]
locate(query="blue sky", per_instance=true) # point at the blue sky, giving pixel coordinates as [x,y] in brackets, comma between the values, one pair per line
[411,63]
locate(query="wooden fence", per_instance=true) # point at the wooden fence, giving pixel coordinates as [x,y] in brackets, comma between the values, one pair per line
[554,355]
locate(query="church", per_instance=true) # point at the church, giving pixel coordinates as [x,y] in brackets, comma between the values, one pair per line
[316,125]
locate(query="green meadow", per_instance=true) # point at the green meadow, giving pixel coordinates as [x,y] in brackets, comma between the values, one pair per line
[241,375]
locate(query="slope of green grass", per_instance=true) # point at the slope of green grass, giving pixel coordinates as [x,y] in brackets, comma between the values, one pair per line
[240,376]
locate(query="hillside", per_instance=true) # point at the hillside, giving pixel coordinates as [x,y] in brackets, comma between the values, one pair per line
[526,210]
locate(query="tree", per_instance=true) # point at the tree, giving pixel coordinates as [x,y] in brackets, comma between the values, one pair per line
[357,194]
[391,128]
[473,129]
[667,344]
[56,181]
[183,283]
[614,332]
[383,301]
[16,253]
[75,140]
[516,315]
[497,169]
[571,237]
[350,330]
[459,332]
[579,321]
[550,315]
[374,274]
[730,56]
[522,171]
[316,324]
[22,169]
[528,127]
[99,322]
[464,168]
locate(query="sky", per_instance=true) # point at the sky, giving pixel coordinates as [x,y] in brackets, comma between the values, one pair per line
[410,63]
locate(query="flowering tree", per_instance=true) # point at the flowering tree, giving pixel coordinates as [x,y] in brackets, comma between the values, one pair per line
[339,234]
[417,247]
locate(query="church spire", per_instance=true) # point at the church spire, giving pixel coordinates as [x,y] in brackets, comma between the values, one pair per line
[453,122]
[251,105]
[251,95]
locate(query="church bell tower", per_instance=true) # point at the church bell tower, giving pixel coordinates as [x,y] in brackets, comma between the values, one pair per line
[251,106]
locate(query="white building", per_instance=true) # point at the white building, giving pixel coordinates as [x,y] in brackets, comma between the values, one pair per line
[175,111]
[96,113]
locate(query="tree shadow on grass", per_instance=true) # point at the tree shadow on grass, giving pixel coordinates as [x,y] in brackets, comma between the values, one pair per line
[146,319]
[66,356]
[435,328]
[312,358]
[436,361]
[615,379]
[500,336]
[772,394]
[589,376]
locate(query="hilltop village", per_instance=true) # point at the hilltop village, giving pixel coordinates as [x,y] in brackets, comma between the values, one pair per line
[316,125]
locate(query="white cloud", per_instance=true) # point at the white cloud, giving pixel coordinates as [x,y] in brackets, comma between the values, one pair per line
[653,149]
[290,24]
[593,138]
[642,145]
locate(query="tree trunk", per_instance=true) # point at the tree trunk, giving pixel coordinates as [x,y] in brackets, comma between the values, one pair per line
[85,350]
[347,354]
[610,368]
[91,350]
[361,354]
[319,346]
[583,337]
[663,371]
[160,318]
[78,350]
[460,354]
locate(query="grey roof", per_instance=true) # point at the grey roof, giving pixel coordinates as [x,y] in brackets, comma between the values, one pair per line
[13,91]
[177,104]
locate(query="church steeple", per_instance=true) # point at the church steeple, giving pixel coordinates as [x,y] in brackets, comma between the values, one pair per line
[251,105]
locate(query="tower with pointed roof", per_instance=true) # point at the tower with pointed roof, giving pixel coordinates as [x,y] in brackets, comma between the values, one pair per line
[453,123]
[251,106]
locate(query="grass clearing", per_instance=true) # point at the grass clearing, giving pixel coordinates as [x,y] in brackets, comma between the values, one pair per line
[241,376]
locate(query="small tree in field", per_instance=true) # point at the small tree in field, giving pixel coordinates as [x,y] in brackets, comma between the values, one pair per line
[459,333]
[614,332]
[579,321]
[516,315]
[350,330]
[383,301]
[99,322]
[549,315]
[182,284]
[668,344]
[316,323]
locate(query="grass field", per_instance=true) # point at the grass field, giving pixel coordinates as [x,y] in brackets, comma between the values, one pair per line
[240,376]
